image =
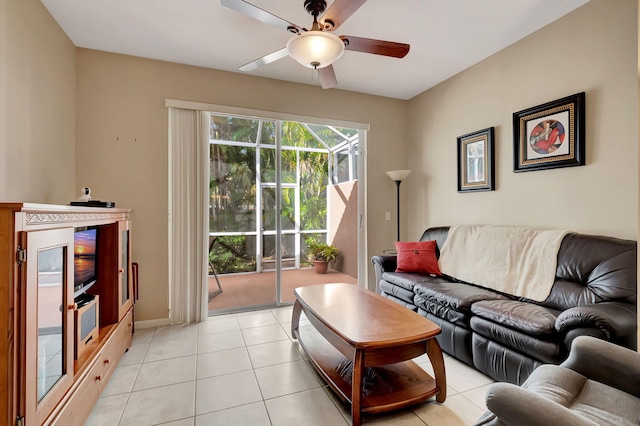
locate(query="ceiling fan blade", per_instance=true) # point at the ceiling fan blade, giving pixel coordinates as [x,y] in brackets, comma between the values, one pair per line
[338,12]
[266,59]
[261,15]
[377,47]
[327,77]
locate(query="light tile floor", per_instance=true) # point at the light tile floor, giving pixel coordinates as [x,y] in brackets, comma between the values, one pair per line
[245,369]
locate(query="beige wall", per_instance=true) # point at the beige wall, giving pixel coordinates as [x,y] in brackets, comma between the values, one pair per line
[122,142]
[342,231]
[37,106]
[593,49]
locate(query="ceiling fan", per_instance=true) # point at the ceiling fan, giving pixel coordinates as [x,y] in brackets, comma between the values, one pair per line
[317,48]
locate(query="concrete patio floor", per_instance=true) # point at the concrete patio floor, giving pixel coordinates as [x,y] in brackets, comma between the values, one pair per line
[242,291]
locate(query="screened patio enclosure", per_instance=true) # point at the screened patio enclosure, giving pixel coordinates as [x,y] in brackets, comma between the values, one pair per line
[260,167]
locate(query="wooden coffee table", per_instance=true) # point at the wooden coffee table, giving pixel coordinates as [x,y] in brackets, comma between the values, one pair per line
[362,343]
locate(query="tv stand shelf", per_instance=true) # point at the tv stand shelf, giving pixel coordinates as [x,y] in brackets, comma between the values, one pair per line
[83,299]
[57,353]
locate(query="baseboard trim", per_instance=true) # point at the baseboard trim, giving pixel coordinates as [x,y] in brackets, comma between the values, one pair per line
[153,323]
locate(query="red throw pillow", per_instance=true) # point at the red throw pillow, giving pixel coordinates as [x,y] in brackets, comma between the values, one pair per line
[417,258]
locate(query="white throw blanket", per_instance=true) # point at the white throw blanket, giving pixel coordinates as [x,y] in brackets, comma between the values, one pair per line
[517,261]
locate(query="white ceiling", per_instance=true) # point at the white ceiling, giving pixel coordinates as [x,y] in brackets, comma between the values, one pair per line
[446,36]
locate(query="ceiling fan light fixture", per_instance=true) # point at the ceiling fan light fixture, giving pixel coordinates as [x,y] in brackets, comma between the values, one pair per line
[315,49]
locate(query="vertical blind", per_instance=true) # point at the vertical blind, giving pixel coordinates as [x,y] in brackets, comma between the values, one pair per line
[188,193]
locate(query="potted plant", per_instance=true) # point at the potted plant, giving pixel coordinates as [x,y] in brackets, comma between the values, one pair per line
[321,254]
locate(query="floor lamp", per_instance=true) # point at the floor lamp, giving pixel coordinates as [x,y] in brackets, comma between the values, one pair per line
[397,176]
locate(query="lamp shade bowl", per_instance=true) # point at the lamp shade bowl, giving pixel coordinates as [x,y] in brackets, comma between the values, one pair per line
[315,49]
[398,175]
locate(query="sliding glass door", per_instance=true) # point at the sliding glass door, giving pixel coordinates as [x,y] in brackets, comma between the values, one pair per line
[269,185]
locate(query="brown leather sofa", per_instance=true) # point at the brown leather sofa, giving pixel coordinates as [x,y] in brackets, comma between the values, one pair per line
[507,337]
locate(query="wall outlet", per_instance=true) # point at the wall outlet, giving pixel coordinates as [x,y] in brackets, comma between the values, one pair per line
[387,215]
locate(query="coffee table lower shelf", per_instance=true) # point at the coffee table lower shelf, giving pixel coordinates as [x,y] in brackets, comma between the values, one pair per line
[384,388]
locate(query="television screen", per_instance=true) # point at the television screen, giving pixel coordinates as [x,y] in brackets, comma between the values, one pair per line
[84,259]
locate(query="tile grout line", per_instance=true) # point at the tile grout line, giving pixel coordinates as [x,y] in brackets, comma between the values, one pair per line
[280,321]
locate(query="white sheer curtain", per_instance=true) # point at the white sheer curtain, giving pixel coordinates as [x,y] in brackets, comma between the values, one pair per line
[188,195]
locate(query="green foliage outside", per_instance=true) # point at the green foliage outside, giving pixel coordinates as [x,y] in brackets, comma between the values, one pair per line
[231,254]
[321,251]
[233,184]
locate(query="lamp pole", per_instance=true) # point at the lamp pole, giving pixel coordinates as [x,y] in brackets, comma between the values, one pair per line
[398,182]
[397,176]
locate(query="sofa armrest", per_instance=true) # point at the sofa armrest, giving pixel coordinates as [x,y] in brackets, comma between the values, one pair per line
[514,405]
[382,264]
[605,362]
[615,319]
[388,263]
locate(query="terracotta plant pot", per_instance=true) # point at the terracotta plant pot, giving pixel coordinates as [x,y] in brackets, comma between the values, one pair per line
[320,266]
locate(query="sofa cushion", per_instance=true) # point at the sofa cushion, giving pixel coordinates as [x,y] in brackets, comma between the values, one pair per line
[552,351]
[442,311]
[528,318]
[396,291]
[450,300]
[458,296]
[408,281]
[417,258]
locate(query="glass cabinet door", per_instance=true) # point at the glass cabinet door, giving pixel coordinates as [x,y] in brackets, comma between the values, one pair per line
[124,268]
[48,319]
